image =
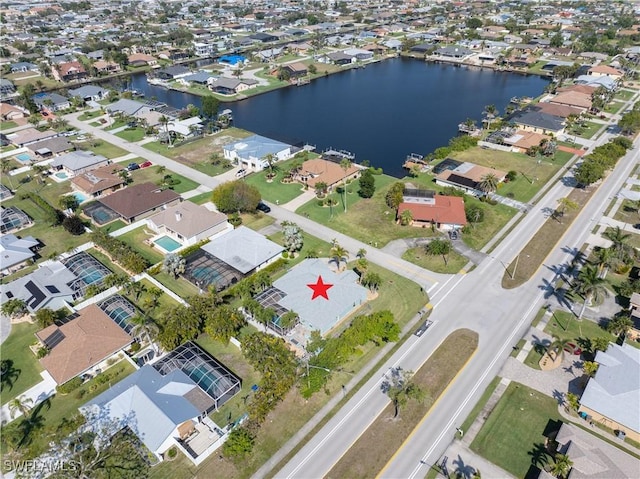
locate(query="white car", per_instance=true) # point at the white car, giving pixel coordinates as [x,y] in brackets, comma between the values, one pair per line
[240,173]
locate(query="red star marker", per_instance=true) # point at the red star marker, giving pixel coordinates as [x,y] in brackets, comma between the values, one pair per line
[320,288]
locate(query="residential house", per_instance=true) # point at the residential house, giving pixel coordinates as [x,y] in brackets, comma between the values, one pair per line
[606,71]
[173,54]
[139,201]
[7,88]
[69,71]
[466,176]
[574,99]
[126,107]
[607,82]
[189,223]
[51,101]
[142,60]
[359,53]
[456,52]
[187,128]
[263,37]
[555,109]
[51,147]
[22,67]
[172,72]
[98,182]
[199,78]
[106,68]
[634,304]
[16,252]
[89,93]
[297,69]
[429,209]
[337,58]
[538,122]
[81,345]
[202,49]
[231,86]
[244,250]
[522,140]
[320,170]
[250,152]
[269,54]
[29,135]
[11,112]
[78,162]
[612,396]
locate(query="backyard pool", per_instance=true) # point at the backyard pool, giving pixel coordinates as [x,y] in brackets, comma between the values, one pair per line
[81,197]
[23,157]
[167,243]
[61,175]
[100,213]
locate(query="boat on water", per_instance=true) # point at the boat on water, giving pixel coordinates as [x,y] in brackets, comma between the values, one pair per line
[413,160]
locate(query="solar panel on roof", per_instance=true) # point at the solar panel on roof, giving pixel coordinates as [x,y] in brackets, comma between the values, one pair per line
[54,339]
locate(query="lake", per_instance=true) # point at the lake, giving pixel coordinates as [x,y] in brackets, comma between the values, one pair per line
[381,113]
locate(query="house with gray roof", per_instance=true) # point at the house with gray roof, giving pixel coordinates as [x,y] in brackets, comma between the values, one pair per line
[612,396]
[230,86]
[159,409]
[200,78]
[78,162]
[250,152]
[127,107]
[21,67]
[7,88]
[173,72]
[89,93]
[538,122]
[51,101]
[51,146]
[244,250]
[456,52]
[16,252]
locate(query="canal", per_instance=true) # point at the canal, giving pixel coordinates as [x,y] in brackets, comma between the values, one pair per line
[381,113]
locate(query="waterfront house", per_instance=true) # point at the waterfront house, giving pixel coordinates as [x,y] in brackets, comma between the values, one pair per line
[297,69]
[69,71]
[574,99]
[319,170]
[126,107]
[199,78]
[139,201]
[98,182]
[445,213]
[78,162]
[142,60]
[105,68]
[465,176]
[89,93]
[173,72]
[51,101]
[359,53]
[607,82]
[189,223]
[250,152]
[204,49]
[16,252]
[555,109]
[538,122]
[187,128]
[522,140]
[337,58]
[612,396]
[81,344]
[230,86]
[455,52]
[606,71]
[270,54]
[263,37]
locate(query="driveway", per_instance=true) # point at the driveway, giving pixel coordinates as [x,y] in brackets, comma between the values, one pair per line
[5,327]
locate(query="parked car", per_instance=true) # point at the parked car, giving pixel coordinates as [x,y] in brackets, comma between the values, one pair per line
[454,235]
[240,173]
[133,166]
[145,164]
[262,207]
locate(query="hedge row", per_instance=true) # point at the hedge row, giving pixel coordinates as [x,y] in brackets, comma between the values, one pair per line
[120,252]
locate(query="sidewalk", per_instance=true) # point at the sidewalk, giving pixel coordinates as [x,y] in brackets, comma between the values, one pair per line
[38,393]
[298,201]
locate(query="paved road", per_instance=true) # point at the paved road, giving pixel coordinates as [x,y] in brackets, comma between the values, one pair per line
[475,301]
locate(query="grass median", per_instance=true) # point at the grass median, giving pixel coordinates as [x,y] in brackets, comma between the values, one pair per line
[369,455]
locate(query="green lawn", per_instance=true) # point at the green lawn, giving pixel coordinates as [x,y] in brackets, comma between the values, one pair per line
[256,221]
[152,174]
[165,302]
[107,149]
[198,150]
[480,404]
[624,95]
[587,131]
[210,169]
[116,124]
[275,191]
[104,259]
[201,199]
[7,125]
[614,107]
[455,262]
[132,134]
[136,239]
[16,349]
[180,286]
[513,434]
[113,226]
[88,115]
[495,217]
[311,243]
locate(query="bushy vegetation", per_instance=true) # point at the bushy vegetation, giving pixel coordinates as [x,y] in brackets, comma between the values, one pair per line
[120,252]
[69,386]
[603,158]
[236,196]
[458,143]
[53,216]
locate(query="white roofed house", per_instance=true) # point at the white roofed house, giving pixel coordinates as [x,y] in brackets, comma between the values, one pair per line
[189,223]
[78,162]
[16,252]
[251,152]
[187,128]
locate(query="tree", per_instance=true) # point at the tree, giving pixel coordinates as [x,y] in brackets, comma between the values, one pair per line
[270,159]
[400,388]
[473,23]
[620,246]
[345,164]
[573,401]
[14,308]
[20,405]
[590,368]
[630,122]
[339,254]
[236,196]
[164,121]
[394,195]
[238,444]
[557,347]
[372,281]
[223,322]
[292,237]
[406,217]
[439,247]
[474,214]
[490,112]
[588,172]
[45,317]
[561,466]
[564,204]
[603,259]
[74,225]
[488,183]
[144,328]
[600,344]
[367,184]
[590,285]
[557,40]
[321,189]
[173,264]
[620,324]
[5,168]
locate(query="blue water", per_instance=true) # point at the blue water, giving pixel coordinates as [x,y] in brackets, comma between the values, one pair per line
[81,197]
[381,113]
[169,244]
[23,157]
[62,175]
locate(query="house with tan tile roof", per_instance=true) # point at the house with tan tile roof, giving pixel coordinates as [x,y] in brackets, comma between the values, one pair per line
[605,70]
[81,343]
[319,170]
[189,223]
[98,182]
[467,176]
[573,99]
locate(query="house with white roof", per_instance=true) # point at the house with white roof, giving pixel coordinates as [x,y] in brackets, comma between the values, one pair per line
[78,162]
[612,396]
[251,152]
[189,223]
[16,252]
[186,128]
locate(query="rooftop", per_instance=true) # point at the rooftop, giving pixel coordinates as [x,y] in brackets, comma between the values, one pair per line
[138,199]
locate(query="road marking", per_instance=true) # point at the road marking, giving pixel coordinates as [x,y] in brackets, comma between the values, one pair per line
[424,418]
[450,290]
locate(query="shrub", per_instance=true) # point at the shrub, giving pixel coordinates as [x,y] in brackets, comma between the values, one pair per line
[42,352]
[70,385]
[285,254]
[74,225]
[80,394]
[120,252]
[512,175]
[173,452]
[135,347]
[53,216]
[194,247]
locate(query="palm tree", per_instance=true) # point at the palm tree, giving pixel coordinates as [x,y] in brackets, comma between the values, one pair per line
[603,259]
[20,405]
[338,254]
[38,170]
[565,204]
[561,466]
[591,286]
[490,112]
[488,183]
[6,167]
[160,169]
[362,253]
[164,121]
[557,347]
[619,243]
[144,327]
[137,289]
[345,164]
[270,159]
[590,368]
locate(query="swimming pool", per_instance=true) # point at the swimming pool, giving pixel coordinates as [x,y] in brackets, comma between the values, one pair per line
[61,175]
[81,197]
[100,213]
[23,157]
[167,243]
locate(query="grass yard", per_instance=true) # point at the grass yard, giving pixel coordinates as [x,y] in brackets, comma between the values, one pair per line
[588,131]
[88,115]
[106,149]
[198,151]
[513,435]
[104,259]
[116,124]
[321,248]
[256,221]
[136,239]
[275,191]
[165,302]
[533,255]
[180,286]
[480,404]
[614,107]
[113,226]
[132,134]
[201,199]
[7,125]
[624,95]
[418,255]
[368,456]
[16,349]
[155,174]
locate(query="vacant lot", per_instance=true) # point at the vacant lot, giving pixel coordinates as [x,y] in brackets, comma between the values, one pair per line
[419,256]
[369,454]
[513,436]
